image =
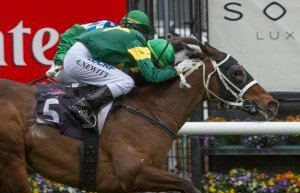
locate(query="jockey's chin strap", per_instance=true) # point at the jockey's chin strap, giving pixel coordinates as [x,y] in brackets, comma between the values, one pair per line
[193,65]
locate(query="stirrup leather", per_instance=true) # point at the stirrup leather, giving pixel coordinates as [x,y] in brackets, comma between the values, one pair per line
[90,126]
[82,114]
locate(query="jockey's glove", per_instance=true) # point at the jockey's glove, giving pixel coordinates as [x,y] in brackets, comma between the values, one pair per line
[185,65]
[53,71]
[179,70]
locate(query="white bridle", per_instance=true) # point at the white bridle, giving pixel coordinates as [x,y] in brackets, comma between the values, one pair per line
[189,66]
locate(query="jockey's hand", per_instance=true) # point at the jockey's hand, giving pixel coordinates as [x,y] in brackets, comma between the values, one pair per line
[179,71]
[185,65]
[53,71]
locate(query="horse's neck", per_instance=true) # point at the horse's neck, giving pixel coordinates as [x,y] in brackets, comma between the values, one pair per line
[171,104]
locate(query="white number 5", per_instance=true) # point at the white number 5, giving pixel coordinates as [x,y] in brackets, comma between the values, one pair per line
[52,113]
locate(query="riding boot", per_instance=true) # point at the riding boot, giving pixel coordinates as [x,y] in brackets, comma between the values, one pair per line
[82,109]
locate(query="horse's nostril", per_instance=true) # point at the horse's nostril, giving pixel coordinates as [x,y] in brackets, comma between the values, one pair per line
[273,105]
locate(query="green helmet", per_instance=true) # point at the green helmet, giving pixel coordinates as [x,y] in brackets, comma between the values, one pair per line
[138,18]
[162,52]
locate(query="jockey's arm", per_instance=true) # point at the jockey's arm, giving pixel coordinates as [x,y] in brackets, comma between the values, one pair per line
[67,40]
[151,73]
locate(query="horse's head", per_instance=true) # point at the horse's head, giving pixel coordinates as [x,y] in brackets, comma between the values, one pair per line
[234,87]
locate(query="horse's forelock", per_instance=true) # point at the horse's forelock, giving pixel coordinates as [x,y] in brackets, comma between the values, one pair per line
[177,42]
[182,52]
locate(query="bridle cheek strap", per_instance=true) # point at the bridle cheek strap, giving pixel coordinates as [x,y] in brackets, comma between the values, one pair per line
[253,82]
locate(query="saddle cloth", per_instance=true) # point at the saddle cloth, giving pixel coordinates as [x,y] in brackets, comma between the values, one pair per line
[53,101]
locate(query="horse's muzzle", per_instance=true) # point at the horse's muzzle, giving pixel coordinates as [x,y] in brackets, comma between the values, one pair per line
[272,107]
[263,113]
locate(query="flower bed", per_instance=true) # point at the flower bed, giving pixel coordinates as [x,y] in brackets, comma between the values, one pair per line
[236,181]
[246,181]
[262,141]
[39,184]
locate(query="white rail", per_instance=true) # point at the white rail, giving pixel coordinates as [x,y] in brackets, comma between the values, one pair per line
[240,128]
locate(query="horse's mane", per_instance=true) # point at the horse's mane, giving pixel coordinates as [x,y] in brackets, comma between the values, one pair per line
[190,44]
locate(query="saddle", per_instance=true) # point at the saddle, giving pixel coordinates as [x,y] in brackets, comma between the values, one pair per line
[53,101]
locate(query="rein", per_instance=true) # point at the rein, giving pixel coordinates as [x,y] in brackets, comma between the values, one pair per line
[135,111]
[43,77]
[37,80]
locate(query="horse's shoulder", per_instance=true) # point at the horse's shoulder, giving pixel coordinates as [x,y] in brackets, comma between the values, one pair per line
[9,86]
[5,82]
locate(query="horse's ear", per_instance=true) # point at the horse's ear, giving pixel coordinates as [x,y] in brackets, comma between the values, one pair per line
[203,49]
[212,52]
[193,36]
[169,36]
[209,48]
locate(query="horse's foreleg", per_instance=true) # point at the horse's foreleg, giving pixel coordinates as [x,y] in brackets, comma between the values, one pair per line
[13,171]
[1,185]
[153,179]
[15,178]
[18,180]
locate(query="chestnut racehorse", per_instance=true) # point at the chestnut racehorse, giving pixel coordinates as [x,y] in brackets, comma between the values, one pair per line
[132,151]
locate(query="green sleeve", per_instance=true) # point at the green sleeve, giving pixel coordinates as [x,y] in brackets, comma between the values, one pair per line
[67,40]
[142,55]
[154,74]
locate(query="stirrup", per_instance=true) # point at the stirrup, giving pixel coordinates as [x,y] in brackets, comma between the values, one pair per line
[89,126]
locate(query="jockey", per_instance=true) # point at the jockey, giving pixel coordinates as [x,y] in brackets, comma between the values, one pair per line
[134,19]
[108,58]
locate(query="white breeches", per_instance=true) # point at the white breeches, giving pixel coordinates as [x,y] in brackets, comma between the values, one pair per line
[63,78]
[80,65]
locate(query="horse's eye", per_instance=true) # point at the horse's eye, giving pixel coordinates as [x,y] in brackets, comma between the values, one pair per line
[238,75]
